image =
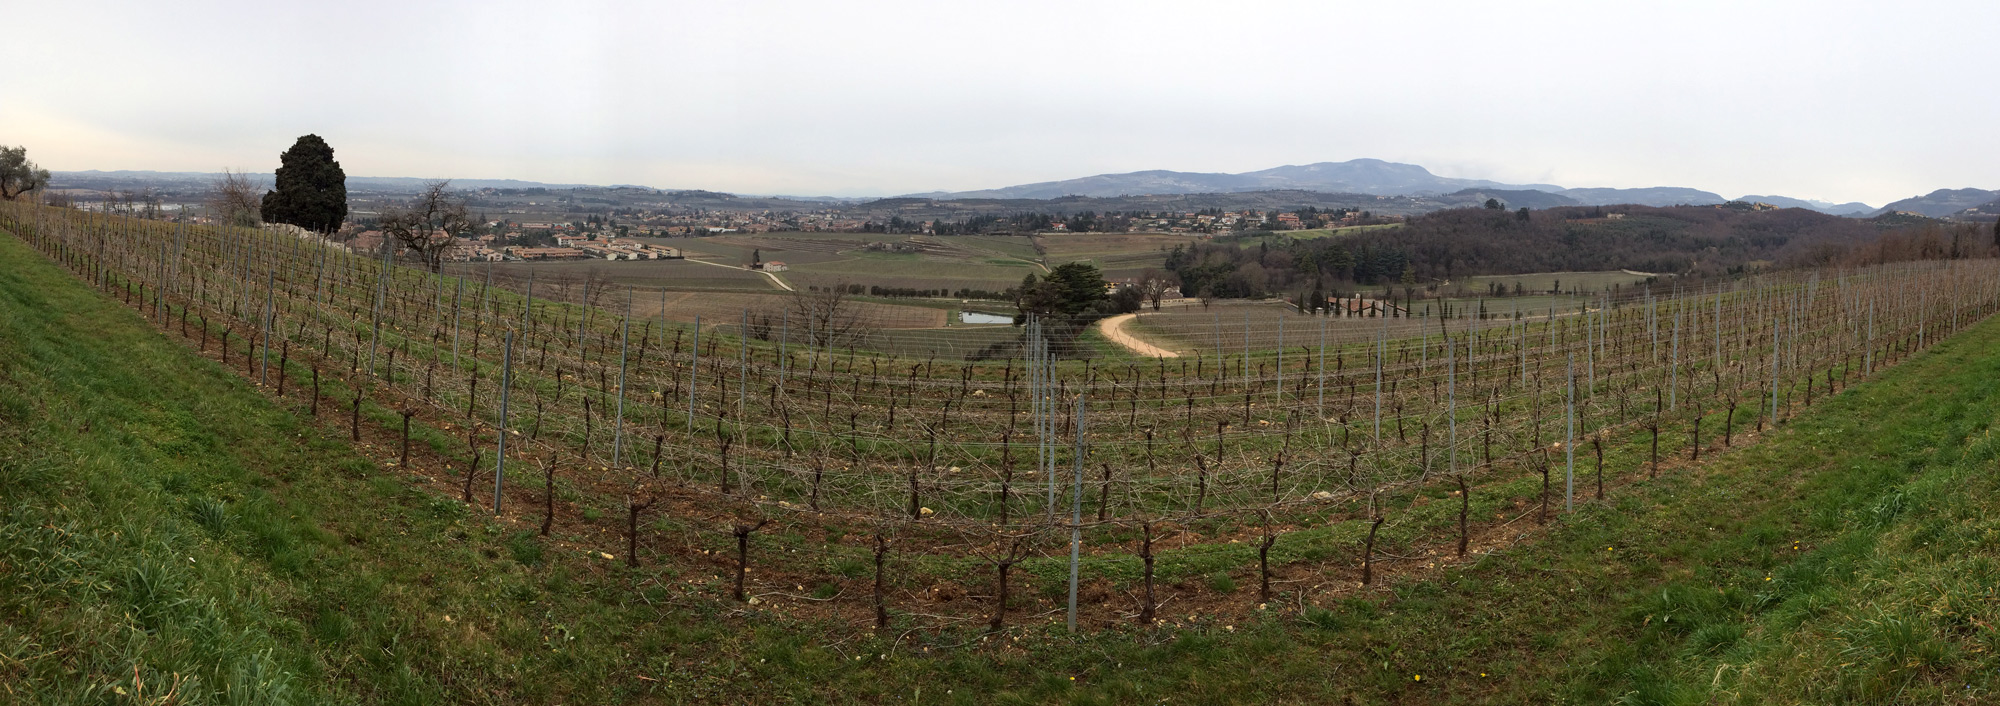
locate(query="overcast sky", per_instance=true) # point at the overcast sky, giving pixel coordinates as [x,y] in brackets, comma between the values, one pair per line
[1833,100]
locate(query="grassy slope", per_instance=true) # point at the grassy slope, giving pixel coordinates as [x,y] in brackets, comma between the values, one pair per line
[159,514]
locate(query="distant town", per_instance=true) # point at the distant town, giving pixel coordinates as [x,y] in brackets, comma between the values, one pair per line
[627,223]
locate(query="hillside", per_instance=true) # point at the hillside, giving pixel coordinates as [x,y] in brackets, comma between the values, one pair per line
[1854,209]
[1447,247]
[1678,240]
[245,551]
[954,208]
[1941,203]
[1983,212]
[1359,176]
[1649,196]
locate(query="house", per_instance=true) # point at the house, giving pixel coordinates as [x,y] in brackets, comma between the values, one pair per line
[547,253]
[774,266]
[366,241]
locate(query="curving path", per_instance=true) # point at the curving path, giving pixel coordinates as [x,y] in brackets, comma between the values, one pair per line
[1114,329]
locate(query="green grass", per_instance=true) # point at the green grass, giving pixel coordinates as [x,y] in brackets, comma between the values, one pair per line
[1310,233]
[1542,282]
[162,521]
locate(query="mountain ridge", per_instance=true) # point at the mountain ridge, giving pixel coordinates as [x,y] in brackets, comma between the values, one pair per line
[1362,176]
[1337,180]
[1941,203]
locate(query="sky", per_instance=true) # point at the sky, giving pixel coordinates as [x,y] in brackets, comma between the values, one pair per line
[1827,99]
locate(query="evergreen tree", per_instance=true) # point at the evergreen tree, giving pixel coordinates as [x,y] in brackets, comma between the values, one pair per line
[312,189]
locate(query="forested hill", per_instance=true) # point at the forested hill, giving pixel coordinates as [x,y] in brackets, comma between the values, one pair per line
[1467,242]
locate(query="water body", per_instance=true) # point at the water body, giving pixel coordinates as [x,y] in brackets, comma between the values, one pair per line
[974,317]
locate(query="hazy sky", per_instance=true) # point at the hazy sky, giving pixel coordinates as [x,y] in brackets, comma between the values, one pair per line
[1833,100]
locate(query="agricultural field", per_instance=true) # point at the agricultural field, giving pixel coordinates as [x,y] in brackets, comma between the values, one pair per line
[914,270]
[671,274]
[945,344]
[1120,255]
[729,307]
[1311,233]
[1581,282]
[1018,247]
[680,290]
[789,248]
[1226,327]
[697,515]
[981,263]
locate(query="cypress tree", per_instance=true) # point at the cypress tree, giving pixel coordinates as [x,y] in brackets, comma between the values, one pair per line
[312,189]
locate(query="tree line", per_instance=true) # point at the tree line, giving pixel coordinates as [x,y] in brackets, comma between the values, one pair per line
[1447,245]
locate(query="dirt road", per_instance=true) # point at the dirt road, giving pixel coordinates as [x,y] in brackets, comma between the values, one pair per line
[1114,329]
[774,278]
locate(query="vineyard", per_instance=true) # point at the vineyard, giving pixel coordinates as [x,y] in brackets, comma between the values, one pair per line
[1300,455]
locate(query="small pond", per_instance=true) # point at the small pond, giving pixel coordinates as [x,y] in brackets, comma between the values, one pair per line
[974,317]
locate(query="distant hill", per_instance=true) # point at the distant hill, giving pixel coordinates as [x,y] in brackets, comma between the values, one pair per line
[958,208]
[1370,184]
[1652,196]
[133,180]
[1855,209]
[1513,198]
[1942,203]
[413,184]
[1983,212]
[953,208]
[1359,176]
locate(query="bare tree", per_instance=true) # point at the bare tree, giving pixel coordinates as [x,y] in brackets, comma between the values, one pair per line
[429,224]
[1154,284]
[235,200]
[827,316]
[762,325]
[149,205]
[596,284]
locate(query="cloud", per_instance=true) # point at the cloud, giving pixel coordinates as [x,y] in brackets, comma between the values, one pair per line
[1797,98]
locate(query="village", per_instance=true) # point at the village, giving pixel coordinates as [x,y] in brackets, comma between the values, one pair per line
[618,237]
[492,248]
